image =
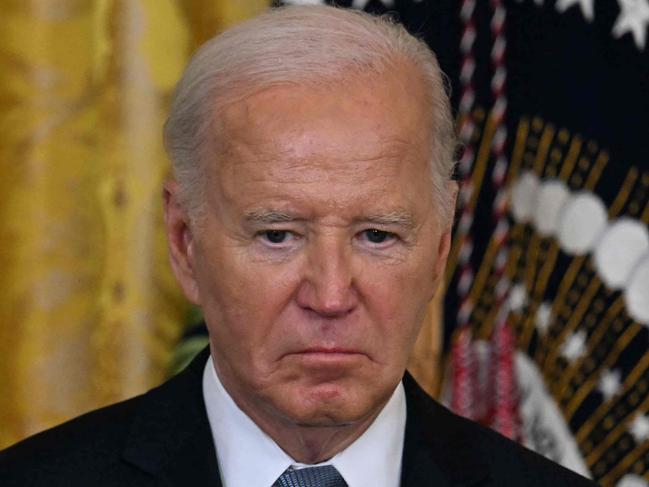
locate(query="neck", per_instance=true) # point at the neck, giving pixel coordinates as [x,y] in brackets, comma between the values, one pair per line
[311,443]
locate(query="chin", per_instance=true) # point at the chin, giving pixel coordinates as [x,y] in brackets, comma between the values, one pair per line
[329,405]
[324,417]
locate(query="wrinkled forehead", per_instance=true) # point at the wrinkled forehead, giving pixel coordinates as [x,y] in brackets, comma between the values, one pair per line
[324,149]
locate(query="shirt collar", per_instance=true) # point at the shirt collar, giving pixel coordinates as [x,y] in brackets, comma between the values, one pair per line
[248,456]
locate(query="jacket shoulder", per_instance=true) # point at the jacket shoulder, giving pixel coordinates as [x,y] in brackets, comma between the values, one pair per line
[162,433]
[87,448]
[469,452]
[513,464]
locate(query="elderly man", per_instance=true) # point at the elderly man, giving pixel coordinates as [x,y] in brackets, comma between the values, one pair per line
[309,218]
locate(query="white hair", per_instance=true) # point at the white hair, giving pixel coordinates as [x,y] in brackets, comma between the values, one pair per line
[309,45]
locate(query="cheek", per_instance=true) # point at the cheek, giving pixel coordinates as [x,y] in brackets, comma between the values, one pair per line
[408,282]
[397,297]
[242,299]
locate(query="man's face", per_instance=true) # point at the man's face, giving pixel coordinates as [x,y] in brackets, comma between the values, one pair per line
[320,248]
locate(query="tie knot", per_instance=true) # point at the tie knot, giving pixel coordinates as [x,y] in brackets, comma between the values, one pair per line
[324,476]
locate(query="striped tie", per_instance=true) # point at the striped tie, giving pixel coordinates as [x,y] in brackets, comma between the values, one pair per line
[325,476]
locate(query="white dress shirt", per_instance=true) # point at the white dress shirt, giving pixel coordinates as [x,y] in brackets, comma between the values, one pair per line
[248,457]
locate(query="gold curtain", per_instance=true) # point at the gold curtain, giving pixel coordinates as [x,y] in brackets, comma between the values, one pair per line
[89,312]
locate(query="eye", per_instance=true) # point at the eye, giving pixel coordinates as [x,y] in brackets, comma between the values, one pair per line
[377,237]
[276,236]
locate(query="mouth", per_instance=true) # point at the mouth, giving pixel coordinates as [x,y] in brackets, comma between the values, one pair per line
[322,356]
[329,351]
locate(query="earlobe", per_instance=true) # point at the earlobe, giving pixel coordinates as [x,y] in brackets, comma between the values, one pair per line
[180,241]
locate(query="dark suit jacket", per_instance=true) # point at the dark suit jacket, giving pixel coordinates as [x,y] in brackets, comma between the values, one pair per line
[163,438]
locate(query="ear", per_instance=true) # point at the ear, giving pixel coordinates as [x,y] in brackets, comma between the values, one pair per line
[180,241]
[445,240]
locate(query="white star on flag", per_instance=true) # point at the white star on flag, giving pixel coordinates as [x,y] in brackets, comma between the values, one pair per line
[543,317]
[639,428]
[574,347]
[517,297]
[587,7]
[633,18]
[631,480]
[610,383]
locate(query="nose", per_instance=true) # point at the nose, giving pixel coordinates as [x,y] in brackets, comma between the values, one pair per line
[328,287]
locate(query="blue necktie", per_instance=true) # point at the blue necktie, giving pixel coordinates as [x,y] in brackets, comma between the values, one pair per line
[325,476]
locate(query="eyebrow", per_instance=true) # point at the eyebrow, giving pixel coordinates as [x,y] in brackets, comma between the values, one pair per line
[400,218]
[263,216]
[269,216]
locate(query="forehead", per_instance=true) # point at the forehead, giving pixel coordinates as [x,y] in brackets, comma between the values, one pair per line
[392,98]
[366,128]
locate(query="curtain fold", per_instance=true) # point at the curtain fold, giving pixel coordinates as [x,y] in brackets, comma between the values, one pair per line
[89,311]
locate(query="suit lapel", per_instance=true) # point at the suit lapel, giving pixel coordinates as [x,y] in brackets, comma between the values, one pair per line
[170,437]
[436,452]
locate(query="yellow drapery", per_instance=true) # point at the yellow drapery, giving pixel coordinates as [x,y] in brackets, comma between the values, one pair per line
[89,312]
